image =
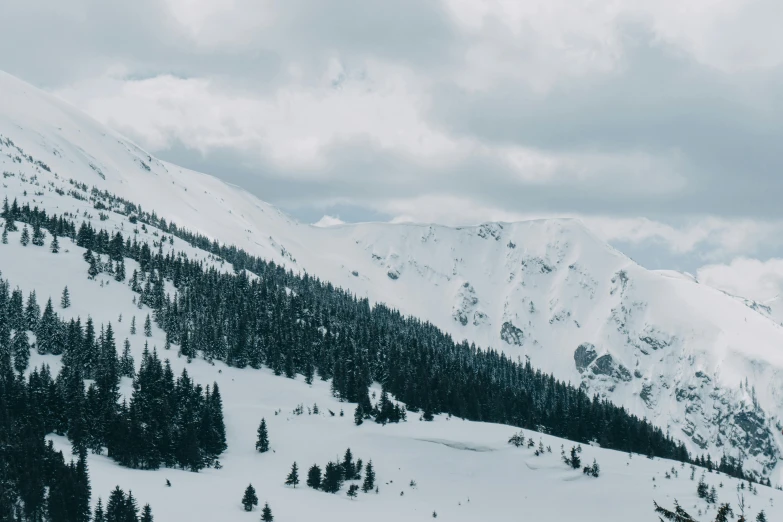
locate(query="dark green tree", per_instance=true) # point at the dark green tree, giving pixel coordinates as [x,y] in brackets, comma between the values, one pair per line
[262,441]
[266,513]
[25,237]
[38,235]
[148,326]
[333,478]
[65,299]
[293,476]
[249,499]
[369,478]
[314,477]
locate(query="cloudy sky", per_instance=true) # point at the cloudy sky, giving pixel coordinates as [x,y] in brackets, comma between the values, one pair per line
[658,122]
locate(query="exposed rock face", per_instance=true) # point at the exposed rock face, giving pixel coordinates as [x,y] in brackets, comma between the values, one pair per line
[466,306]
[511,334]
[606,365]
[584,355]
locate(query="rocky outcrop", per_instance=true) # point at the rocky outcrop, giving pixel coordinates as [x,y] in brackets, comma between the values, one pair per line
[511,334]
[584,355]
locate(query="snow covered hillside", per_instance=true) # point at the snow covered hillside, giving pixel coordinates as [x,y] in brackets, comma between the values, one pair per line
[690,358]
[449,468]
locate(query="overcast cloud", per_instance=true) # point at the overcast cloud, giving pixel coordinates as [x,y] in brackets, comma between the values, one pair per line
[658,122]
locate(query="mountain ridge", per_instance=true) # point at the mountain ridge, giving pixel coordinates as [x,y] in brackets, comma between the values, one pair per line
[666,348]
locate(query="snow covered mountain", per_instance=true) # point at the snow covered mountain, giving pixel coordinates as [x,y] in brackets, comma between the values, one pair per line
[692,359]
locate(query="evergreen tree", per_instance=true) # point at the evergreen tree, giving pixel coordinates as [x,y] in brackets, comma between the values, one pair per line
[5,236]
[148,326]
[353,489]
[349,468]
[65,299]
[92,271]
[55,245]
[314,477]
[99,516]
[369,478]
[678,515]
[131,508]
[761,517]
[358,415]
[249,499]
[21,350]
[293,476]
[32,312]
[117,507]
[702,490]
[133,325]
[333,478]
[38,235]
[712,498]
[146,514]
[80,498]
[119,271]
[574,460]
[266,513]
[262,442]
[25,238]
[127,365]
[724,512]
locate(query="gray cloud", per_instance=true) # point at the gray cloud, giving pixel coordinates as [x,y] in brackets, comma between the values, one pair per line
[628,115]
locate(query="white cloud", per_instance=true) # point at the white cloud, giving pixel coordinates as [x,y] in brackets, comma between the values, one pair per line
[294,126]
[544,42]
[751,278]
[710,238]
[328,221]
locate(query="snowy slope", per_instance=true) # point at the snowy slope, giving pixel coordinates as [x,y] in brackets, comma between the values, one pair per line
[464,471]
[658,343]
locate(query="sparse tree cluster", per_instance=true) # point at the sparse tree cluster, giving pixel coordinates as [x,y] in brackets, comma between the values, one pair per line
[335,474]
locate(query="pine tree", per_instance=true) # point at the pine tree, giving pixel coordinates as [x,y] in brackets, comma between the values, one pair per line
[133,325]
[724,512]
[148,326]
[702,490]
[712,498]
[119,271]
[99,516]
[146,514]
[262,443]
[54,246]
[314,477]
[678,515]
[249,499]
[131,508]
[5,236]
[21,349]
[65,300]
[369,478]
[38,235]
[333,478]
[358,415]
[266,513]
[353,490]
[25,238]
[116,507]
[92,271]
[574,461]
[761,517]
[127,365]
[293,476]
[349,469]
